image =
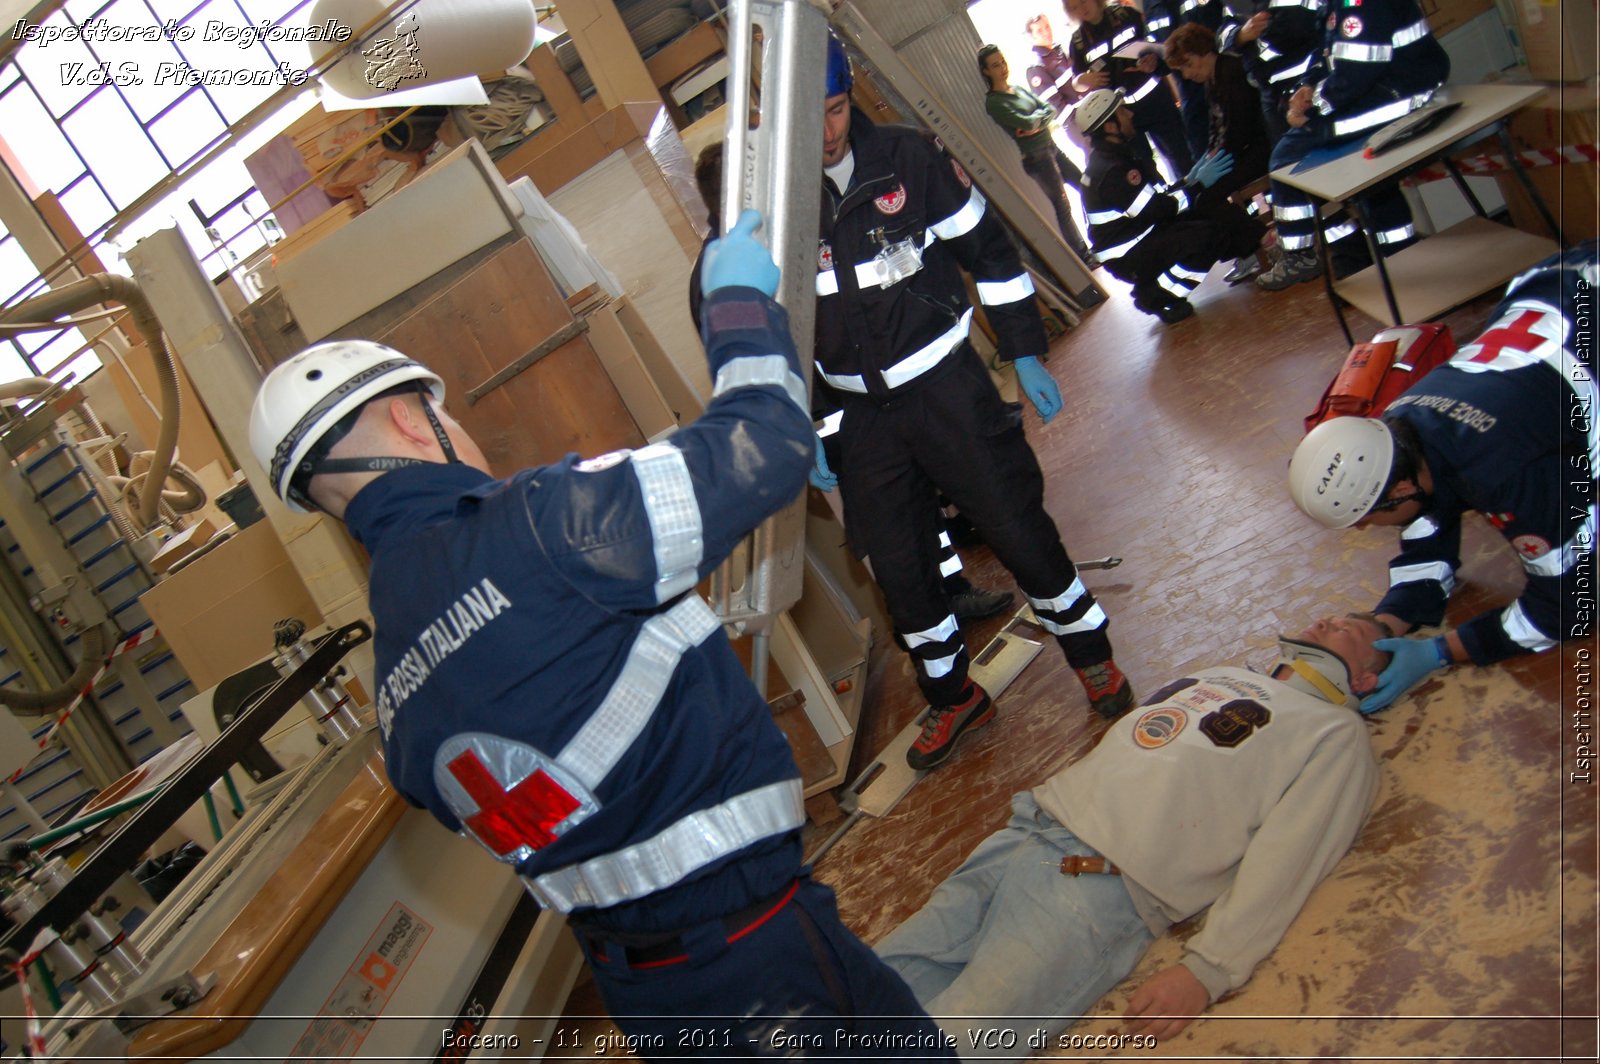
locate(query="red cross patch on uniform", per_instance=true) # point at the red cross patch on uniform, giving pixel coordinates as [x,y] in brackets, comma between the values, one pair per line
[892,202]
[1531,547]
[1135,177]
[961,175]
[507,795]
[824,256]
[1350,27]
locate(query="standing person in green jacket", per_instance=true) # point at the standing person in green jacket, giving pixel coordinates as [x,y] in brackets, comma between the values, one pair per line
[1029,121]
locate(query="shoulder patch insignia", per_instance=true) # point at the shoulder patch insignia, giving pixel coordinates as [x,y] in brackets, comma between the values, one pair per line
[961,175]
[1158,727]
[892,202]
[508,796]
[604,461]
[1531,547]
[824,255]
[1350,27]
[1135,178]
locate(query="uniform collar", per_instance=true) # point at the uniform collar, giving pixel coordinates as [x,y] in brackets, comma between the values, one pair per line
[1315,670]
[405,500]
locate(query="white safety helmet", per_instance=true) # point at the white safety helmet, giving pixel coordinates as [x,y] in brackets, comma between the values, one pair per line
[1339,471]
[305,397]
[1095,109]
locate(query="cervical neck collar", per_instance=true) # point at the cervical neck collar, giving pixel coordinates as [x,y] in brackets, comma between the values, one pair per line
[1316,670]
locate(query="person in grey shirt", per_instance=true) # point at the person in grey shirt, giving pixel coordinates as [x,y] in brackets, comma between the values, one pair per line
[1227,789]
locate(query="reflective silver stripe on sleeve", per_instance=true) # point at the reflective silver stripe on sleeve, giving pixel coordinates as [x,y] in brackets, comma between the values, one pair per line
[1124,36]
[931,354]
[684,848]
[964,220]
[1266,51]
[1144,90]
[1064,79]
[827,283]
[1182,197]
[1380,115]
[1097,51]
[748,371]
[830,424]
[850,382]
[999,293]
[674,516]
[1521,630]
[1291,72]
[1158,23]
[1189,5]
[1102,217]
[637,691]
[1410,34]
[1362,53]
[1421,528]
[1439,572]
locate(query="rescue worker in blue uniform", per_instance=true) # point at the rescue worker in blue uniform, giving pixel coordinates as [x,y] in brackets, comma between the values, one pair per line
[1103,30]
[900,219]
[1050,76]
[1277,39]
[549,683]
[1159,239]
[1507,428]
[1379,62]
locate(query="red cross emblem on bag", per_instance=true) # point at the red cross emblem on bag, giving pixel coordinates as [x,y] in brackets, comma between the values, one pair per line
[510,797]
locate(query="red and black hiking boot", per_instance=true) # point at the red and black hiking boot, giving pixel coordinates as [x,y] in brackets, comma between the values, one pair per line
[945,724]
[1110,693]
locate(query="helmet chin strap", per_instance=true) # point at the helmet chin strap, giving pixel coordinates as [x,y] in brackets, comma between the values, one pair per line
[1317,668]
[387,462]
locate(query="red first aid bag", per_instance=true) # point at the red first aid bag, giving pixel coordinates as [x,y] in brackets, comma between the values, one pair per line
[1375,373]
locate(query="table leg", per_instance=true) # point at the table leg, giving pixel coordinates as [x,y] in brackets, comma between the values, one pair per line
[1325,256]
[1466,189]
[1527,185]
[1359,209]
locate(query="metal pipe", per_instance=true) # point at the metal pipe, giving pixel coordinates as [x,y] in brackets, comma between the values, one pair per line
[114,288]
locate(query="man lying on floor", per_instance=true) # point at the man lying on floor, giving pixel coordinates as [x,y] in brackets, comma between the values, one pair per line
[1228,789]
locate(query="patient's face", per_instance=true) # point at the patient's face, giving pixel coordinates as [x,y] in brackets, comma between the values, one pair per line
[1351,637]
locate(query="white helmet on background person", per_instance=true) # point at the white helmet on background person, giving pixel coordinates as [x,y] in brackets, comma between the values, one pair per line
[1095,109]
[302,400]
[1339,471]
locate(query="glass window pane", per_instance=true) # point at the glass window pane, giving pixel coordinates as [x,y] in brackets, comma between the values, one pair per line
[178,10]
[79,367]
[62,348]
[16,269]
[83,10]
[141,57]
[87,206]
[61,71]
[218,185]
[115,147]
[235,101]
[187,130]
[33,136]
[12,366]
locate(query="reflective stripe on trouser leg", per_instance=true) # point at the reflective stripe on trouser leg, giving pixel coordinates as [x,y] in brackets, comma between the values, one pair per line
[1077,622]
[938,654]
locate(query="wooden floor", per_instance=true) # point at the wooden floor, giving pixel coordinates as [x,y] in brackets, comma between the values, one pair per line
[1462,925]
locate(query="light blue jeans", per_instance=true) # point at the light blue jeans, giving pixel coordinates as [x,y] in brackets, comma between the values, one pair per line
[1007,942]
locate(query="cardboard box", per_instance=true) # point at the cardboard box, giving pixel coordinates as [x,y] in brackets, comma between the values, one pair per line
[1566,115]
[1446,15]
[1558,37]
[217,612]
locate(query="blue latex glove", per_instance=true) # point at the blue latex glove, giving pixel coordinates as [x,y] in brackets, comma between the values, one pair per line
[740,259]
[1040,388]
[821,476]
[1413,660]
[1210,169]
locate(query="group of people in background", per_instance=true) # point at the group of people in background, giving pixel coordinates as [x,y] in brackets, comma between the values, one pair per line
[1259,85]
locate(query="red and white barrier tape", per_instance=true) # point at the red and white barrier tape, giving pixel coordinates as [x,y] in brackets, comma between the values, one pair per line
[30,1014]
[134,641]
[1482,165]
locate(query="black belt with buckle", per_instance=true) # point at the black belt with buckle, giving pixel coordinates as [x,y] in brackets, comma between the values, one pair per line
[657,951]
